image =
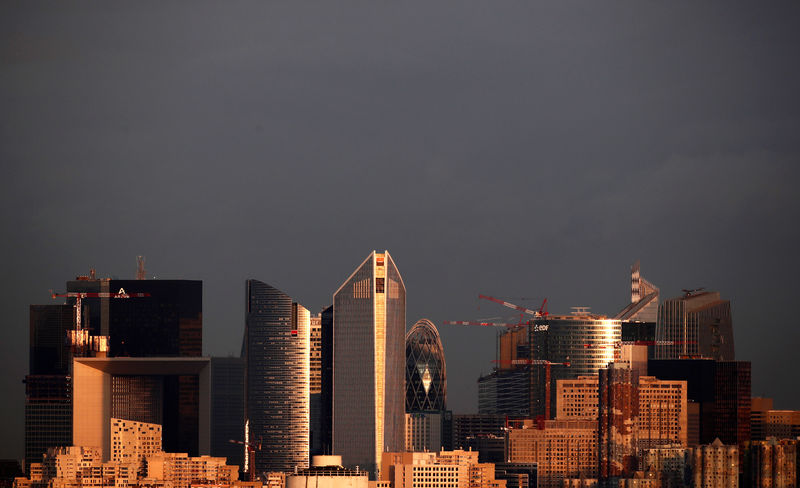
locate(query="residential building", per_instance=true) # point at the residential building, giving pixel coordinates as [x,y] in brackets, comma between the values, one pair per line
[714,465]
[667,464]
[277,377]
[562,449]
[134,441]
[369,363]
[326,471]
[771,463]
[618,415]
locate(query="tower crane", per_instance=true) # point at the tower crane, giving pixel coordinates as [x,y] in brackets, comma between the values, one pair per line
[251,448]
[79,337]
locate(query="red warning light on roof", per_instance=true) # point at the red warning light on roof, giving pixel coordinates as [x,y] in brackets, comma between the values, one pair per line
[294,333]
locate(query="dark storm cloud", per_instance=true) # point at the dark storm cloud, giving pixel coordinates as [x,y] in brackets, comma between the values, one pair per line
[508,148]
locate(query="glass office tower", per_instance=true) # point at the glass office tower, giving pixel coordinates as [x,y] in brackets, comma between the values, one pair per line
[277,351]
[426,380]
[369,322]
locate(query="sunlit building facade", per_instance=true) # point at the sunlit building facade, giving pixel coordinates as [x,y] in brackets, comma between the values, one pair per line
[277,352]
[369,358]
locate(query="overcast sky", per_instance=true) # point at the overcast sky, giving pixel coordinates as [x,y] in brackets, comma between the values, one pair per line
[518,149]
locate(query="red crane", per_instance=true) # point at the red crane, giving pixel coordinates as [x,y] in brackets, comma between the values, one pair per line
[251,447]
[78,337]
[638,343]
[542,312]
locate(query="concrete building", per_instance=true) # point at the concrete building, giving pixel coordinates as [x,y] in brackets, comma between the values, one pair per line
[277,377]
[663,408]
[562,449]
[447,469]
[714,465]
[369,325]
[133,441]
[783,424]
[327,472]
[771,463]
[667,464]
[139,389]
[424,431]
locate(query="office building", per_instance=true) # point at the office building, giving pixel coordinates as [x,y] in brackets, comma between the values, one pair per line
[667,464]
[277,377]
[327,472]
[644,300]
[165,321]
[771,463]
[618,416]
[698,324]
[143,390]
[457,469]
[759,407]
[516,475]
[426,378]
[562,449]
[424,431]
[369,363]
[714,465]
[48,386]
[663,408]
[227,408]
[322,429]
[783,424]
[469,427]
[718,392]
[575,345]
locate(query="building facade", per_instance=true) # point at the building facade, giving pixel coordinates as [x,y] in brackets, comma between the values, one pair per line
[696,324]
[277,377]
[227,408]
[369,363]
[618,417]
[562,449]
[426,377]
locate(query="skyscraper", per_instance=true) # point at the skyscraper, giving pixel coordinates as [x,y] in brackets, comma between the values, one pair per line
[227,408]
[426,380]
[699,324]
[277,351]
[164,320]
[369,317]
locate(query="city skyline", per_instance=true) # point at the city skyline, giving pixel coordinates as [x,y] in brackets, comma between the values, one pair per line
[516,150]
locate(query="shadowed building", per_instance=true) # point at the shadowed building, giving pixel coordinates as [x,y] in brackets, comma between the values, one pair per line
[227,408]
[699,324]
[277,353]
[369,316]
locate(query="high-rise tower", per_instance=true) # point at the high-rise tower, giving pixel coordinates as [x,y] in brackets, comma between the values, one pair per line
[699,324]
[276,345]
[369,322]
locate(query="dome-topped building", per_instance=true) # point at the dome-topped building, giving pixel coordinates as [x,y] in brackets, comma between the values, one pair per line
[426,381]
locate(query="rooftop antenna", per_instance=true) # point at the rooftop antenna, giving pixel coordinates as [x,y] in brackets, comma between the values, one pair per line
[140,273]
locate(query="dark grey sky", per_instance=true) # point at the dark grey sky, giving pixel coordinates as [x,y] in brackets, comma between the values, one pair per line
[508,148]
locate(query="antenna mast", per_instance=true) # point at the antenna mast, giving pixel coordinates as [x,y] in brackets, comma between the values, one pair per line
[140,273]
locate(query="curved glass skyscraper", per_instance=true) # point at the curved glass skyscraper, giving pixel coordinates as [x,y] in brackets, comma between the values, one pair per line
[426,381]
[277,352]
[369,324]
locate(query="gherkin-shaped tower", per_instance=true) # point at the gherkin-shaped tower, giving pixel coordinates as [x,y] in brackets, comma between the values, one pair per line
[426,381]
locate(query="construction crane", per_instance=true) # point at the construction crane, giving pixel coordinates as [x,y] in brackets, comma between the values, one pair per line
[538,362]
[79,337]
[251,448]
[689,292]
[542,312]
[638,343]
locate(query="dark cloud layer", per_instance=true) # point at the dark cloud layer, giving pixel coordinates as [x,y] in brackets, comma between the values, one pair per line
[511,148]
